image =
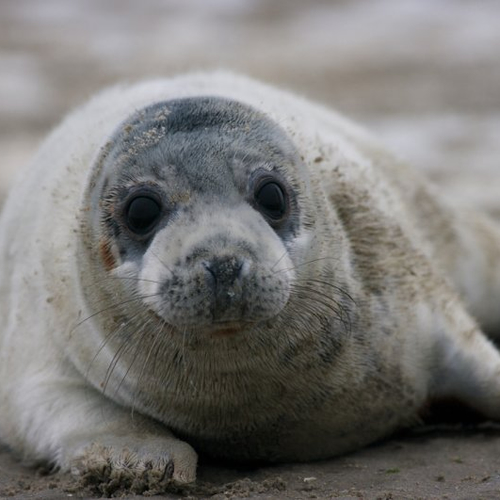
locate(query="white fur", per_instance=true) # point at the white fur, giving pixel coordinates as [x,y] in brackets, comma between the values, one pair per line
[49,411]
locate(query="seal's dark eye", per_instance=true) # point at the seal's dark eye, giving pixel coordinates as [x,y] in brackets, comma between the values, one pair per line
[270,199]
[142,213]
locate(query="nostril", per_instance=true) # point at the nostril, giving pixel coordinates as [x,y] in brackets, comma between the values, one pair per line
[224,270]
[225,279]
[208,267]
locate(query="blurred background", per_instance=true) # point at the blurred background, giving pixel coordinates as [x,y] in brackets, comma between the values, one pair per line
[424,75]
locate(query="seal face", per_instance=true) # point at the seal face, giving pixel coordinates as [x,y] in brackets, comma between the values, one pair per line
[234,269]
[190,204]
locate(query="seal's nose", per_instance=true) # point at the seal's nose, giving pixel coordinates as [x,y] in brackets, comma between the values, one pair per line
[224,277]
[223,271]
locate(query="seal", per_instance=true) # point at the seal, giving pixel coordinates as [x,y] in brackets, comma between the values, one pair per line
[209,263]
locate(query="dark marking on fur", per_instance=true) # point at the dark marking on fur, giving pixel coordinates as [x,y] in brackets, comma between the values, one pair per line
[106,255]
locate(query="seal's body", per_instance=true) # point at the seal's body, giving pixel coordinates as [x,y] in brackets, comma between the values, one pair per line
[211,261]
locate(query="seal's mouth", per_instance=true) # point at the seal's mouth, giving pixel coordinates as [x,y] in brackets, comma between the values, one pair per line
[215,329]
[226,332]
[227,328]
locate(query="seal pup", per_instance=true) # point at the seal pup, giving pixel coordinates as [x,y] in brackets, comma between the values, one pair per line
[209,263]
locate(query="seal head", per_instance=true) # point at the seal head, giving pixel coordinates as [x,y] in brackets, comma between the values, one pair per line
[193,205]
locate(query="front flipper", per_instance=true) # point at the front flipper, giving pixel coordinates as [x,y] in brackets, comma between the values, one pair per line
[77,429]
[137,463]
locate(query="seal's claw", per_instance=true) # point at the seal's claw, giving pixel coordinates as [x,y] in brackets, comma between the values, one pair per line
[138,469]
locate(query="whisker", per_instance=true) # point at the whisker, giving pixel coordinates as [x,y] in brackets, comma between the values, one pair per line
[329,305]
[309,262]
[333,286]
[278,261]
[154,348]
[125,278]
[113,306]
[108,338]
[157,343]
[160,261]
[122,349]
[320,313]
[138,347]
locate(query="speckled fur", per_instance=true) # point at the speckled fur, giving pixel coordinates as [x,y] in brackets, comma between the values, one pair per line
[355,314]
